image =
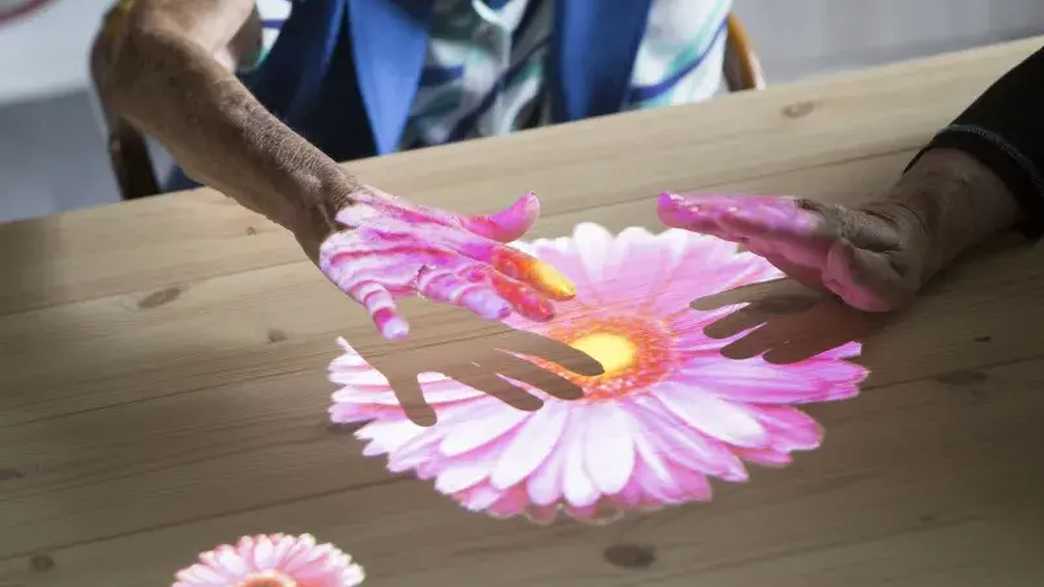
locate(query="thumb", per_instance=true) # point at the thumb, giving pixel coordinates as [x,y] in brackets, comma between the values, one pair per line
[508,224]
[864,279]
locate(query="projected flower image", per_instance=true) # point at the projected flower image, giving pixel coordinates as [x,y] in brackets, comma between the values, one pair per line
[273,560]
[669,412]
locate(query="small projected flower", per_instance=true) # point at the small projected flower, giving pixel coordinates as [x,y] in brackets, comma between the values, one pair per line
[669,411]
[274,560]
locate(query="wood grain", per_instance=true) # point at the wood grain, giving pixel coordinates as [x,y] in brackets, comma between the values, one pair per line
[162,384]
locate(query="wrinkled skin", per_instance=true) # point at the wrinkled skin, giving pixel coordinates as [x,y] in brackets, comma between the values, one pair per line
[388,247]
[876,256]
[872,258]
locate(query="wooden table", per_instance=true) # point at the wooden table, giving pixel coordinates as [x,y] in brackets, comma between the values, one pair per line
[162,374]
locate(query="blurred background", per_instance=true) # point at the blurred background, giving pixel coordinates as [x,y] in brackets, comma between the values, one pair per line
[52,150]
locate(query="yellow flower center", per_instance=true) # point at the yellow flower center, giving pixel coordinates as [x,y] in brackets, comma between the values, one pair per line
[614,351]
[268,579]
[635,352]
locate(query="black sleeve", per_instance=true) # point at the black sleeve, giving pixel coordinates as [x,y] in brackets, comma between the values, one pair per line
[1004,129]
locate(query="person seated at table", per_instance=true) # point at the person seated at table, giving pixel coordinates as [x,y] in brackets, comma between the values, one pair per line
[351,78]
[982,174]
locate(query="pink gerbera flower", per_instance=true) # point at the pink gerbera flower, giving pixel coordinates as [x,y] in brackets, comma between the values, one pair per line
[669,411]
[274,560]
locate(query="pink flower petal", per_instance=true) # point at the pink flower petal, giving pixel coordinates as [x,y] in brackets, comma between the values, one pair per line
[754,380]
[388,436]
[621,448]
[479,497]
[511,503]
[494,421]
[686,447]
[420,449]
[593,243]
[711,415]
[545,484]
[609,455]
[460,474]
[297,559]
[790,428]
[531,446]
[202,575]
[542,514]
[577,487]
[263,552]
[767,457]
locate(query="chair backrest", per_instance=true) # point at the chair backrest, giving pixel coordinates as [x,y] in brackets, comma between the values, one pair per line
[742,66]
[128,151]
[136,176]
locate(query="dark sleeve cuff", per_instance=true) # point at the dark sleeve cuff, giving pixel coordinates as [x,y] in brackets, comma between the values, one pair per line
[1018,172]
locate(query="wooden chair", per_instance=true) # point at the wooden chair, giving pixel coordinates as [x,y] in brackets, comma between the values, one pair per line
[136,175]
[742,66]
[128,151]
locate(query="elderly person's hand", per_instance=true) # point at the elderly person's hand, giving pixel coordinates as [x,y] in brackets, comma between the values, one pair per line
[874,257]
[168,67]
[386,246]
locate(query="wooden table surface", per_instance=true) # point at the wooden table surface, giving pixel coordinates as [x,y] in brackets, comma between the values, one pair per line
[163,389]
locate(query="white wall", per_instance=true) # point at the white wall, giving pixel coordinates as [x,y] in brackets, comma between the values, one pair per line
[796,38]
[45,53]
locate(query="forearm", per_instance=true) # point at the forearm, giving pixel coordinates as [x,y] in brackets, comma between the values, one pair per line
[179,90]
[1001,136]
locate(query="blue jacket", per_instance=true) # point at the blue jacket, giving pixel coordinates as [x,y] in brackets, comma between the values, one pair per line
[344,73]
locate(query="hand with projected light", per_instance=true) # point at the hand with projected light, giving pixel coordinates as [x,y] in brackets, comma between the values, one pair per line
[876,256]
[387,247]
[978,176]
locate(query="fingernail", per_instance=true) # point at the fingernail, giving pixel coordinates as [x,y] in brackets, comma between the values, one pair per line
[509,223]
[540,310]
[487,305]
[672,211]
[422,416]
[391,327]
[553,282]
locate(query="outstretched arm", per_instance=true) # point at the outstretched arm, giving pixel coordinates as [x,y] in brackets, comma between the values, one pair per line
[980,175]
[168,67]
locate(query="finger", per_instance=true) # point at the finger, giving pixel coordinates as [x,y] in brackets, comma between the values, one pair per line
[787,235]
[691,213]
[737,218]
[535,345]
[487,381]
[513,263]
[864,279]
[504,226]
[382,309]
[543,379]
[411,398]
[508,224]
[528,302]
[541,276]
[452,288]
[781,222]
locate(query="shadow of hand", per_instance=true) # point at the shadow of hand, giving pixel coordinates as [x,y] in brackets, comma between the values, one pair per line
[486,359]
[784,321]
